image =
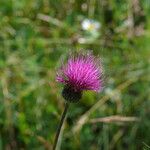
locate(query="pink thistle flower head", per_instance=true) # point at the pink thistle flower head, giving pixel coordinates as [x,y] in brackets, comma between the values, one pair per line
[81,72]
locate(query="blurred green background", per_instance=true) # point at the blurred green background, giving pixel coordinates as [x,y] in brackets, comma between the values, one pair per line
[35,35]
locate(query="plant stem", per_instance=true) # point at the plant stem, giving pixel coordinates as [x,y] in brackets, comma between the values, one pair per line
[60,125]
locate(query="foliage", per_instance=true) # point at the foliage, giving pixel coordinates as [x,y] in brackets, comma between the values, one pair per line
[35,35]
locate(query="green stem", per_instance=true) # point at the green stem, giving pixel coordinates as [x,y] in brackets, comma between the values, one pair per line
[60,125]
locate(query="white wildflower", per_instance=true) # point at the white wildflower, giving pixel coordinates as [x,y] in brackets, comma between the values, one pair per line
[90,25]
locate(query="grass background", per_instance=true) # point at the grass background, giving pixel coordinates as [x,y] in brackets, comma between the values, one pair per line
[35,35]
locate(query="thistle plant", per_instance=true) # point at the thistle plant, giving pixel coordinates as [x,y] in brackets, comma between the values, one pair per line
[82,72]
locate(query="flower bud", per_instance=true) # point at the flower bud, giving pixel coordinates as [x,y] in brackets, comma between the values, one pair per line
[71,95]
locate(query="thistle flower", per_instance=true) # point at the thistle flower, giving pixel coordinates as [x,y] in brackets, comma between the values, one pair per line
[81,72]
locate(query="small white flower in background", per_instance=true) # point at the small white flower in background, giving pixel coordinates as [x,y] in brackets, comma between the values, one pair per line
[91,28]
[90,25]
[128,23]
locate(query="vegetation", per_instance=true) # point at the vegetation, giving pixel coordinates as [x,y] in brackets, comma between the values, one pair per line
[35,35]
